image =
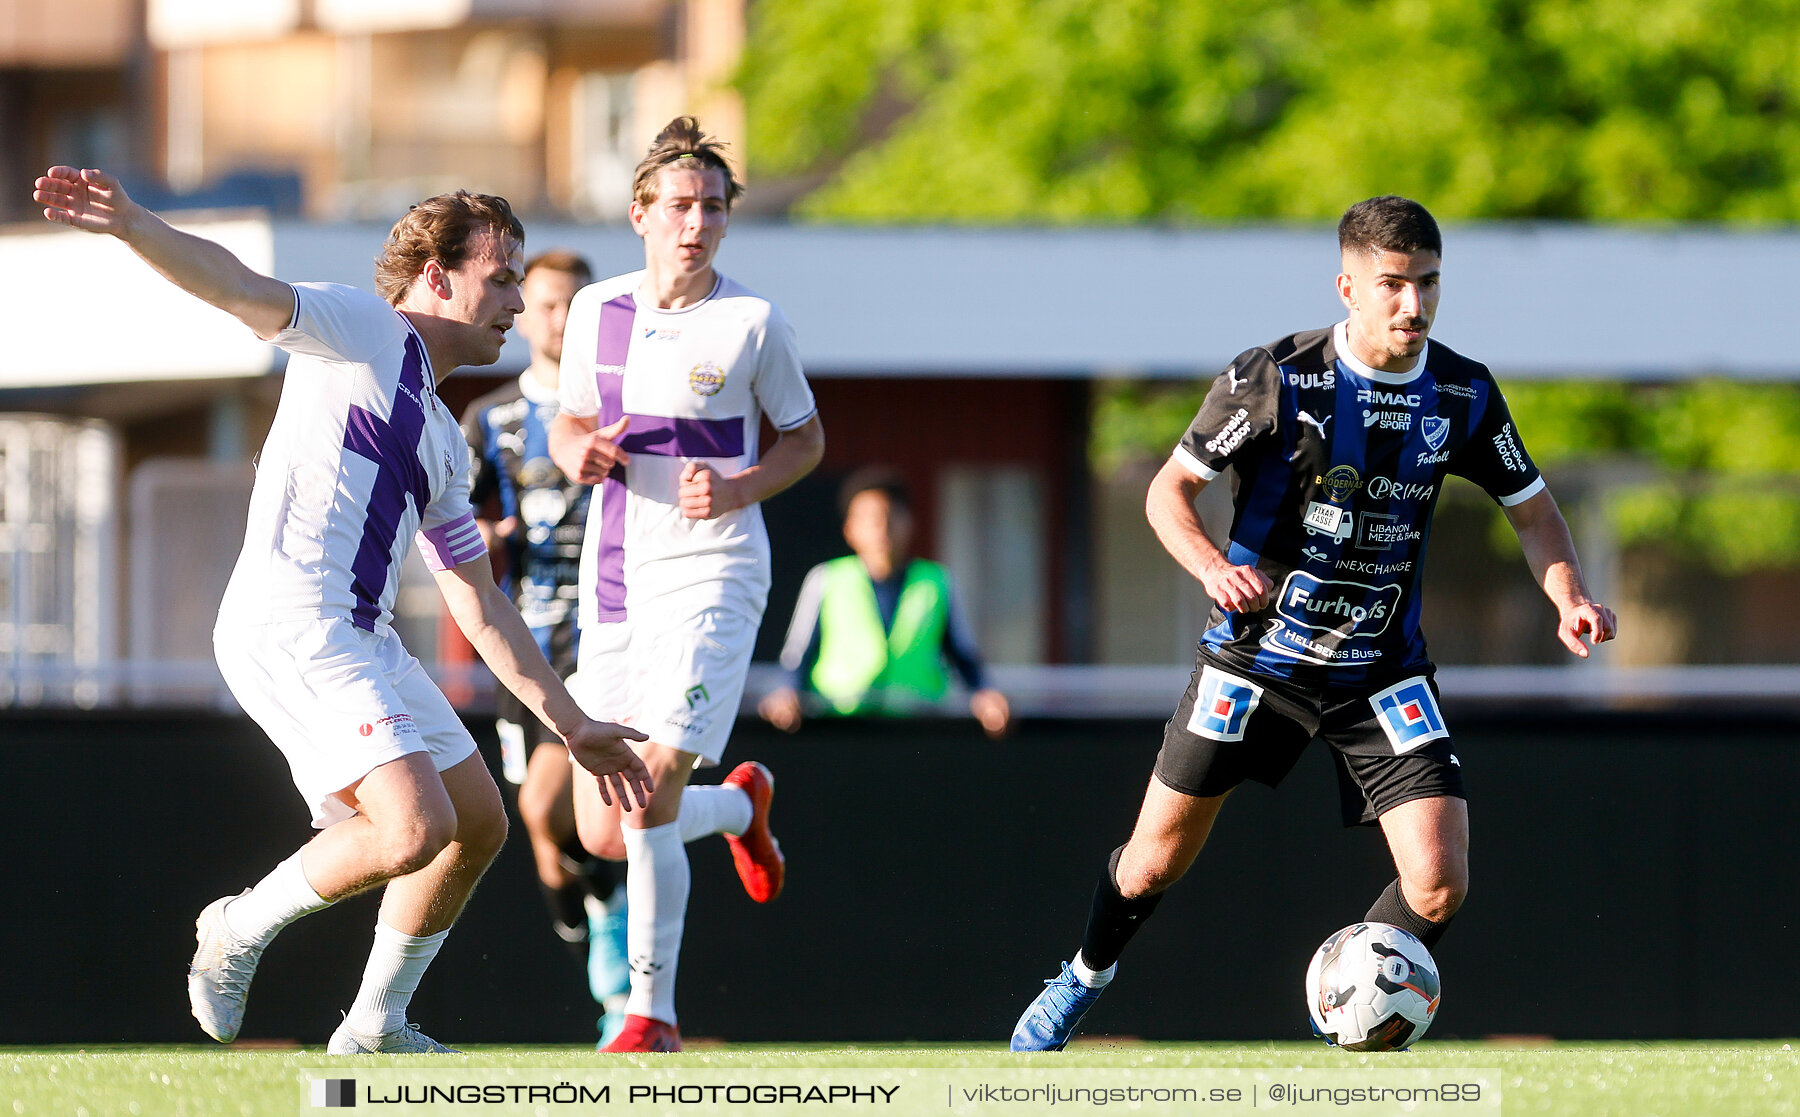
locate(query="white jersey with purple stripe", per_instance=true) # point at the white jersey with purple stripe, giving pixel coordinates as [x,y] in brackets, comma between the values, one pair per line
[695,383]
[362,455]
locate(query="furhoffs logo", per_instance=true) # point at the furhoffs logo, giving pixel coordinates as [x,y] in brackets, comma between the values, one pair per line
[333,1093]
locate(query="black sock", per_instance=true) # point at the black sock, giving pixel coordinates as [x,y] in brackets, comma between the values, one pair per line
[1390,907]
[1113,919]
[568,907]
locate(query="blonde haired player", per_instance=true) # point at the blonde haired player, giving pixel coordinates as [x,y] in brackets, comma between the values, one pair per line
[667,374]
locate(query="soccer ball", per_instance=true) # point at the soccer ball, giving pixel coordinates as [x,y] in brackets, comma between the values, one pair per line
[1372,987]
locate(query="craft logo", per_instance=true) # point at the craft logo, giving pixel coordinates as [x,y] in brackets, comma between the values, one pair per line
[334,1093]
[1339,481]
[1222,705]
[706,379]
[1436,428]
[1237,428]
[1409,715]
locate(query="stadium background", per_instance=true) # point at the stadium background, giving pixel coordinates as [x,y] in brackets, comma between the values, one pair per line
[1086,207]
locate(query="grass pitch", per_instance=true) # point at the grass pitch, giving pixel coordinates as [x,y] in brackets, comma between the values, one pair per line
[1663,1079]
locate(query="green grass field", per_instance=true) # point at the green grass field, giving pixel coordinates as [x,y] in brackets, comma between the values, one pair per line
[1587,1079]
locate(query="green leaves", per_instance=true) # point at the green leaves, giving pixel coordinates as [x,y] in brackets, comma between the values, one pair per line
[1074,111]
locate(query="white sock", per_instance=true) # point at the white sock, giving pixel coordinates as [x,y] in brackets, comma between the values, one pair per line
[1092,978]
[396,963]
[277,900]
[713,809]
[658,886]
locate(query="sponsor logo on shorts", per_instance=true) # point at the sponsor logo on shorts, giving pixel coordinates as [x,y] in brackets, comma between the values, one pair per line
[1408,713]
[696,694]
[1223,704]
[394,723]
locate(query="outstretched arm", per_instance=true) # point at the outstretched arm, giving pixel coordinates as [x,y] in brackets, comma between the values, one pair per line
[94,201]
[1544,536]
[499,634]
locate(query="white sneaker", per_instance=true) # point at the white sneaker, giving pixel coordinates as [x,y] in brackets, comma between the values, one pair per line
[219,976]
[407,1040]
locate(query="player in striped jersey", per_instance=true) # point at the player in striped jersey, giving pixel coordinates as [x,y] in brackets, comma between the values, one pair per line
[667,374]
[1341,440]
[361,456]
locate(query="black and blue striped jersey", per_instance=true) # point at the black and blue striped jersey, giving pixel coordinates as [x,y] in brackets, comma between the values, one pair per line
[1338,467]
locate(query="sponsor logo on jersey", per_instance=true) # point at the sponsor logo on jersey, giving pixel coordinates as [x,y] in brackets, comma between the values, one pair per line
[1313,554]
[1378,531]
[609,370]
[1223,704]
[1339,481]
[1386,488]
[661,333]
[1237,428]
[1326,379]
[1508,447]
[1234,379]
[1388,420]
[1462,390]
[1317,424]
[1408,714]
[1377,398]
[1435,428]
[1349,609]
[706,378]
[1327,519]
[1375,569]
[1289,642]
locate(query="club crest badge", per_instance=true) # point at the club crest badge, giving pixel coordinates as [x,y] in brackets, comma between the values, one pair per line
[1436,428]
[706,379]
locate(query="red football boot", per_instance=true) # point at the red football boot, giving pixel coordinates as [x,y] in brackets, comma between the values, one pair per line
[644,1034]
[756,853]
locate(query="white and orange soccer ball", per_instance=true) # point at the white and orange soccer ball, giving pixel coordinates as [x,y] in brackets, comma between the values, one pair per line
[1372,987]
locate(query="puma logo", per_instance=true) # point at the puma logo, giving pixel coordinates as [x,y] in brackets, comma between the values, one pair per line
[1234,378]
[1318,423]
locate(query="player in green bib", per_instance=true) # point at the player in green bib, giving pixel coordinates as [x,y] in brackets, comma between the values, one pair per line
[877,632]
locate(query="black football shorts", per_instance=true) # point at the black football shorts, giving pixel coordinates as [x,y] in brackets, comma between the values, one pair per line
[1390,745]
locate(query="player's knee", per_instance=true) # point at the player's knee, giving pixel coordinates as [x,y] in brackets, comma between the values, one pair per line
[601,837]
[410,845]
[481,832]
[1438,898]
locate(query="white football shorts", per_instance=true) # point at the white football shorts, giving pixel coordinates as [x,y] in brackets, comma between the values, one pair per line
[679,681]
[338,702]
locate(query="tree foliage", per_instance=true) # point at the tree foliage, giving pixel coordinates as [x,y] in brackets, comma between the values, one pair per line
[1131,110]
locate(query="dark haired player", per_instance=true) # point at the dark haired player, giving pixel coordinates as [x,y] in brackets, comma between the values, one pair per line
[1342,439]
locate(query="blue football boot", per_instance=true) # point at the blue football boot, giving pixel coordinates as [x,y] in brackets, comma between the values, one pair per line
[1051,1019]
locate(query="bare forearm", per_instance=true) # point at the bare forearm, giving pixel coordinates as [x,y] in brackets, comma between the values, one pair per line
[792,457]
[504,642]
[210,272]
[1169,506]
[1550,551]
